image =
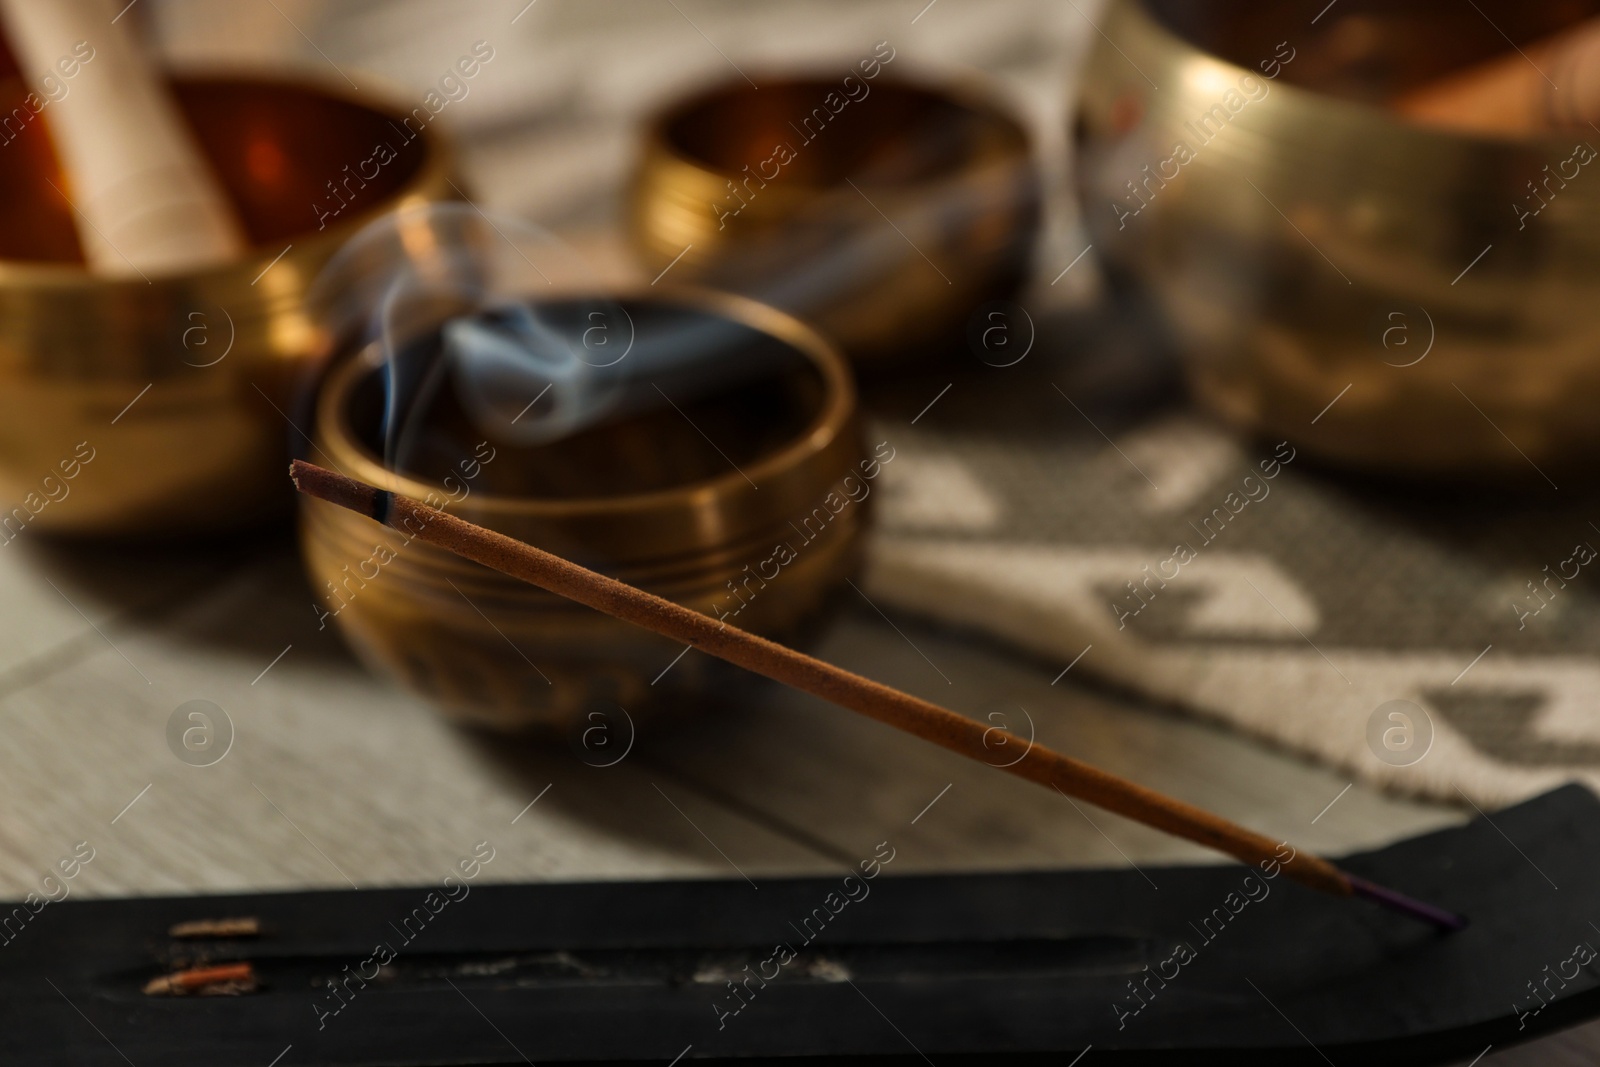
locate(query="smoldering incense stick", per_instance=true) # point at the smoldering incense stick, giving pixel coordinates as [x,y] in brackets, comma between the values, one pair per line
[915,716]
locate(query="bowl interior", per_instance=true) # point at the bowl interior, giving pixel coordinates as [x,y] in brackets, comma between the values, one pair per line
[292,158]
[871,132]
[700,435]
[1369,50]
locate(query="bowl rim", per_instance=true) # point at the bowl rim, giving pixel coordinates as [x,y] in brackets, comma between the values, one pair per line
[1331,105]
[968,91]
[383,100]
[828,425]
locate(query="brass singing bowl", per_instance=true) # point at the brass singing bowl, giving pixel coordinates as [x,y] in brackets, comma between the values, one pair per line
[895,219]
[1313,249]
[645,499]
[182,385]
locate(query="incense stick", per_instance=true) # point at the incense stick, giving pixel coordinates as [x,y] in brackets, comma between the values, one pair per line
[921,718]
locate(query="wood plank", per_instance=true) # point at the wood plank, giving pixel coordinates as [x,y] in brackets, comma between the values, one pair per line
[57,592]
[852,782]
[333,778]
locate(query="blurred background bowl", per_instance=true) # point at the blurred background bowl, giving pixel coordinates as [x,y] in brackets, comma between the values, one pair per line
[646,499]
[884,223]
[183,385]
[1316,249]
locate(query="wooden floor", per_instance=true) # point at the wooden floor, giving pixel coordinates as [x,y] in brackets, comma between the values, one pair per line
[335,778]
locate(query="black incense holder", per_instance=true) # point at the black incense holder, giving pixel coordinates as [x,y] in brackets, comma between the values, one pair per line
[1030,967]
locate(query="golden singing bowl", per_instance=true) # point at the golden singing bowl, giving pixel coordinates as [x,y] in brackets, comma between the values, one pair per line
[886,222]
[1309,248]
[645,499]
[180,388]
